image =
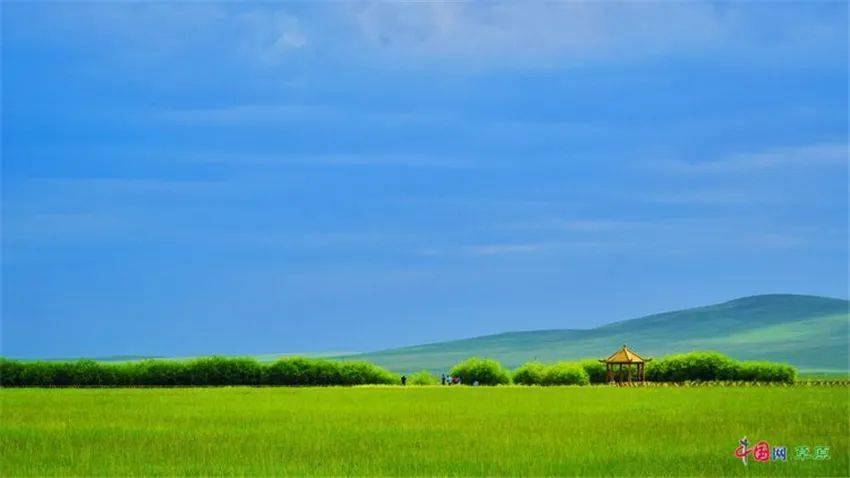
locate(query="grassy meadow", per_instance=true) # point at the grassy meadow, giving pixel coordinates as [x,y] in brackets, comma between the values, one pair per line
[390,430]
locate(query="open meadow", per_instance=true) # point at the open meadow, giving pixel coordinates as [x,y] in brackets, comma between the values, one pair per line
[390,430]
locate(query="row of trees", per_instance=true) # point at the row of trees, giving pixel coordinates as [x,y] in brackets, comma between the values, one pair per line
[694,366]
[299,371]
[212,371]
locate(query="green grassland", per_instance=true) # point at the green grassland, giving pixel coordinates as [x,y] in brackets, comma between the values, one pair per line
[808,332]
[386,430]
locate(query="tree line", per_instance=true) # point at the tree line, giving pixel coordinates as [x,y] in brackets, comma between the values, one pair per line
[301,371]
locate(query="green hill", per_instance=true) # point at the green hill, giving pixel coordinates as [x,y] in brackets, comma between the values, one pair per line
[807,331]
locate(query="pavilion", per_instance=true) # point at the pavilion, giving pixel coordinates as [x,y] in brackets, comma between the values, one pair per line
[618,366]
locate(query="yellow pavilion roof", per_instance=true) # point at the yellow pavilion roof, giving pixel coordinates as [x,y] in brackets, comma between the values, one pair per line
[625,355]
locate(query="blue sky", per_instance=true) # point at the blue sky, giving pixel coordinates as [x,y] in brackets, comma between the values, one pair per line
[183,179]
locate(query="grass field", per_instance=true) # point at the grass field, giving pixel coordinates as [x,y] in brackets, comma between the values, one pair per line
[418,430]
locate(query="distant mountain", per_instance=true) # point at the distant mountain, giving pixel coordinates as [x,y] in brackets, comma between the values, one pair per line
[807,331]
[107,358]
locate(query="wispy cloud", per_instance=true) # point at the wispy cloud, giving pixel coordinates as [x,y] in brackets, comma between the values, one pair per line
[271,36]
[342,159]
[479,33]
[500,249]
[275,113]
[463,33]
[597,225]
[704,196]
[582,226]
[807,156]
[242,114]
[523,248]
[120,187]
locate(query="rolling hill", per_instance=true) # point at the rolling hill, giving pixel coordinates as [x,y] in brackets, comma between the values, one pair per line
[807,331]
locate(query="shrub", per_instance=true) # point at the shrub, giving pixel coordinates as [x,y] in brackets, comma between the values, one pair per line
[290,371]
[224,371]
[565,373]
[595,370]
[154,373]
[319,372]
[423,378]
[88,373]
[212,371]
[712,366]
[766,372]
[38,374]
[561,373]
[700,366]
[530,373]
[10,373]
[362,373]
[485,371]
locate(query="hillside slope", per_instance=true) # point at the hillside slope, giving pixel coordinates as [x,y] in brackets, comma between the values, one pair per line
[807,331]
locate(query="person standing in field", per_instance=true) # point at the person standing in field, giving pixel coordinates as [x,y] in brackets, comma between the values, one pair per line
[404,380]
[442,379]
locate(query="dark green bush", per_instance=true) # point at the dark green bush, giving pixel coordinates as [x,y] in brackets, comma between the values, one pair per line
[290,371]
[361,373]
[10,373]
[530,373]
[712,366]
[319,372]
[88,373]
[165,373]
[224,371]
[595,370]
[484,371]
[565,373]
[689,367]
[699,366]
[215,371]
[212,371]
[766,372]
[38,374]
